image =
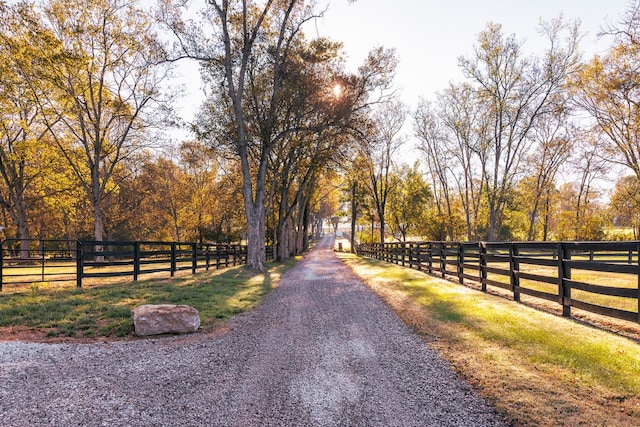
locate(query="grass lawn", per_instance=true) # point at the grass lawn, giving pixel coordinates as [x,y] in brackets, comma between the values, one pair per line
[106,310]
[537,368]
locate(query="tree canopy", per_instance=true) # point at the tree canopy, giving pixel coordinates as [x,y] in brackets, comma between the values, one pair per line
[288,137]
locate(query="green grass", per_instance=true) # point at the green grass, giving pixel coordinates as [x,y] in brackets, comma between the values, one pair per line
[541,338]
[107,310]
[516,350]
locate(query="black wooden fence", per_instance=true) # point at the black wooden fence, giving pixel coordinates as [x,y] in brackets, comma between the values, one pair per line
[74,260]
[598,277]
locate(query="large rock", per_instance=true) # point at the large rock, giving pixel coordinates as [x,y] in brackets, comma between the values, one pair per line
[155,319]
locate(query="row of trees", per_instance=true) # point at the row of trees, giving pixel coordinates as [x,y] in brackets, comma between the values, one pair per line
[84,85]
[517,150]
[497,143]
[81,85]
[286,133]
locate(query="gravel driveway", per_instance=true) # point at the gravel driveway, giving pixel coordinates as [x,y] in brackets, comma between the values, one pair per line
[321,350]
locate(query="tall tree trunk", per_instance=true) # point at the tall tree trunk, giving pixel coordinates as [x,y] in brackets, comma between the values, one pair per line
[302,227]
[305,226]
[354,215]
[24,236]
[98,227]
[256,237]
[545,226]
[532,220]
[283,221]
[493,219]
[20,216]
[380,209]
[283,241]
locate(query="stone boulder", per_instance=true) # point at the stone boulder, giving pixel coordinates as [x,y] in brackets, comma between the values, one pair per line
[156,319]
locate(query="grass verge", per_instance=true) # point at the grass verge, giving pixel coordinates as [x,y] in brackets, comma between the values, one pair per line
[106,311]
[536,368]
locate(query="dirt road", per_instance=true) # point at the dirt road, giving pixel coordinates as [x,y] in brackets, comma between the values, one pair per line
[321,350]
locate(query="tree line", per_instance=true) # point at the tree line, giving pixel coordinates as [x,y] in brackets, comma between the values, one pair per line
[86,88]
[287,136]
[513,151]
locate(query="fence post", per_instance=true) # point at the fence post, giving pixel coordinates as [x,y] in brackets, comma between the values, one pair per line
[483,266]
[564,274]
[515,271]
[412,255]
[207,256]
[194,257]
[173,259]
[42,258]
[79,263]
[136,260]
[637,275]
[430,258]
[443,261]
[460,263]
[1,263]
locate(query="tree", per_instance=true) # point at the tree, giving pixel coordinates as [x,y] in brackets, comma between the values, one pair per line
[354,179]
[608,88]
[107,81]
[251,63]
[514,93]
[198,165]
[461,113]
[625,204]
[439,160]
[554,139]
[25,154]
[454,138]
[379,150]
[408,203]
[168,196]
[246,34]
[580,216]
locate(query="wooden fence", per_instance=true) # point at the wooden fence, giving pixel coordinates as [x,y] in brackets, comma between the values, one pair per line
[74,260]
[598,277]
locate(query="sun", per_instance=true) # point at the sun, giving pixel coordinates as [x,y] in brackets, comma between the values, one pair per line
[337,90]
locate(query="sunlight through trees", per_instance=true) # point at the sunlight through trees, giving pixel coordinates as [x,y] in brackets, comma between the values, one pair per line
[288,138]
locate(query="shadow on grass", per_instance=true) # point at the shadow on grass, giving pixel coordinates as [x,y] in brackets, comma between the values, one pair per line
[107,310]
[461,314]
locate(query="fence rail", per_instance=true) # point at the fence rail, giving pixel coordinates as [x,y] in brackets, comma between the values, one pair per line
[598,277]
[74,260]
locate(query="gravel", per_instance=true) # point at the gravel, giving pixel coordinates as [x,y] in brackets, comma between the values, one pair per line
[321,350]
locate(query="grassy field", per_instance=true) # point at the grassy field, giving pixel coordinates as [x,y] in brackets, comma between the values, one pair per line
[62,310]
[537,368]
[14,275]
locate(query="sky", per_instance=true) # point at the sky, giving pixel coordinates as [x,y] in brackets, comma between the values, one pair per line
[430,35]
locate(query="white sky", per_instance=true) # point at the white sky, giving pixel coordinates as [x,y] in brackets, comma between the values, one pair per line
[430,35]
